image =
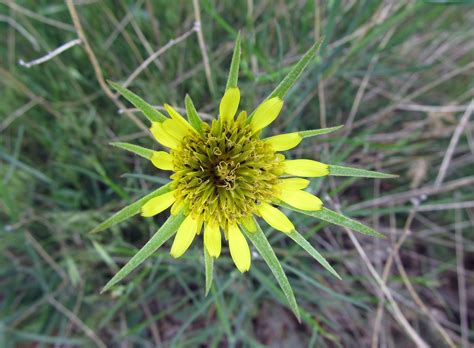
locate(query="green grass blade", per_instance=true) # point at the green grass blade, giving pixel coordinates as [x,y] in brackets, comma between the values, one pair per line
[335,218]
[359,173]
[209,264]
[129,210]
[193,116]
[313,132]
[234,65]
[165,232]
[282,89]
[260,241]
[302,242]
[149,111]
[138,150]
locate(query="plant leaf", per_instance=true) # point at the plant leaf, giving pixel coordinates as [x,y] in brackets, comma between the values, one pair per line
[130,210]
[209,264]
[359,173]
[193,116]
[260,241]
[149,111]
[234,65]
[282,89]
[161,236]
[313,132]
[302,242]
[335,218]
[138,150]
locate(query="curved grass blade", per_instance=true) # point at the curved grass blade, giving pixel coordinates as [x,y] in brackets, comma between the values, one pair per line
[313,132]
[282,89]
[138,150]
[130,210]
[260,241]
[193,116]
[359,173]
[335,218]
[161,236]
[209,264]
[149,111]
[234,65]
[302,242]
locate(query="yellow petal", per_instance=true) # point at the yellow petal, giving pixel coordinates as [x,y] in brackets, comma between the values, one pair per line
[157,204]
[266,113]
[301,199]
[212,239]
[239,249]
[176,116]
[163,137]
[304,167]
[175,129]
[176,207]
[185,235]
[229,104]
[294,184]
[284,142]
[249,224]
[275,218]
[162,160]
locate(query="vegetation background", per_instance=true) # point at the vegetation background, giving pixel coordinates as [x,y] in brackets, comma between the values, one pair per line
[397,74]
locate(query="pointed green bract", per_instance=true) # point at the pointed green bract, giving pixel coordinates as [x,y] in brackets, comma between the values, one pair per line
[193,116]
[356,172]
[302,242]
[161,236]
[335,218]
[209,268]
[234,65]
[149,111]
[130,210]
[138,150]
[260,241]
[313,132]
[282,89]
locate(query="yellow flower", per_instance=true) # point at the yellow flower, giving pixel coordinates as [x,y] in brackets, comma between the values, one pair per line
[227,174]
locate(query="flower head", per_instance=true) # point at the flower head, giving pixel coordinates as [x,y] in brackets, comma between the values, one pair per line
[226,175]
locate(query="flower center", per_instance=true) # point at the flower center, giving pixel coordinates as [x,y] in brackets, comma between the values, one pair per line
[224,173]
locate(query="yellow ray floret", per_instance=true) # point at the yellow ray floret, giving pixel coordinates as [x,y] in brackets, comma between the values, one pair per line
[294,184]
[266,113]
[175,115]
[239,248]
[185,235]
[275,218]
[284,142]
[212,239]
[175,129]
[229,104]
[162,136]
[304,167]
[162,160]
[158,204]
[249,224]
[301,200]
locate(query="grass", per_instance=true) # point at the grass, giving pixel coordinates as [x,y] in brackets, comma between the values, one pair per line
[398,75]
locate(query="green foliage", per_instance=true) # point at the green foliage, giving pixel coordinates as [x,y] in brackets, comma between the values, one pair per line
[193,115]
[234,65]
[264,248]
[359,173]
[148,110]
[164,233]
[130,210]
[138,150]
